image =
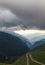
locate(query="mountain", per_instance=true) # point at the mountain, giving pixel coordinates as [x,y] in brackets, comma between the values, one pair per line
[12,46]
[38,43]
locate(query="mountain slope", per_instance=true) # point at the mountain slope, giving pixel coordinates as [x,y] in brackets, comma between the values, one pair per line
[12,46]
[38,43]
[38,53]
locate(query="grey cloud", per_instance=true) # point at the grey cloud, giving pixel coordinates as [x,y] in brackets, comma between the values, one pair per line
[8,19]
[32,13]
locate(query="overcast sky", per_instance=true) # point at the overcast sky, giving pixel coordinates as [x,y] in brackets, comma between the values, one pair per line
[22,14]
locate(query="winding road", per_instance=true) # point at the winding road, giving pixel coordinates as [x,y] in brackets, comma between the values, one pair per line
[35,60]
[32,59]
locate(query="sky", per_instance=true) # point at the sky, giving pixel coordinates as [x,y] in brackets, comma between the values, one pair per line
[22,14]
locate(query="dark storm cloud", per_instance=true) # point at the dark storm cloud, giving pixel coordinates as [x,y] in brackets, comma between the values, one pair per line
[32,13]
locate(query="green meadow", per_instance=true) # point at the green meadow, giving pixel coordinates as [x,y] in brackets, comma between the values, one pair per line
[39,54]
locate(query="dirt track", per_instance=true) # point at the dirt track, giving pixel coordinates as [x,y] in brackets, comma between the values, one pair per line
[27,59]
[35,60]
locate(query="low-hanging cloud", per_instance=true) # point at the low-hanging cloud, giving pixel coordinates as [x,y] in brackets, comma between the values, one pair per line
[7,18]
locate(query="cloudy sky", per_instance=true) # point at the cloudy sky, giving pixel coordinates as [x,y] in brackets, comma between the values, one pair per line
[22,14]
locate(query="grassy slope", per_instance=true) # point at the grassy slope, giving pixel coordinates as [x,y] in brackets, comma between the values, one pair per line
[32,63]
[5,64]
[39,53]
[21,61]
